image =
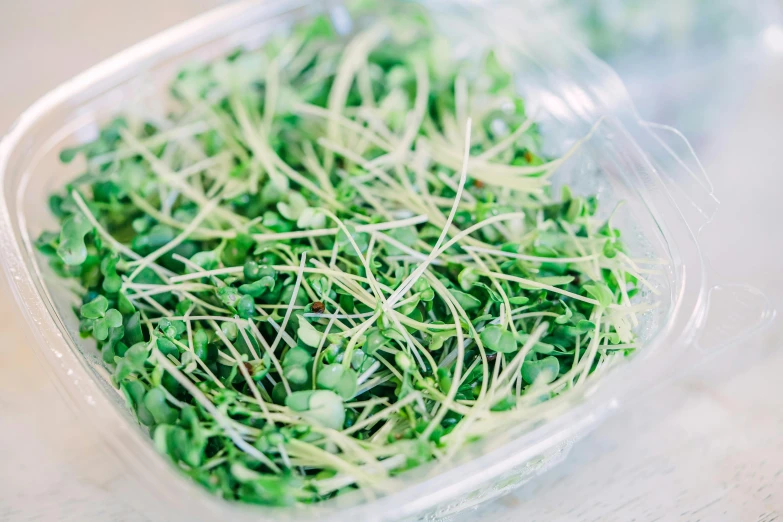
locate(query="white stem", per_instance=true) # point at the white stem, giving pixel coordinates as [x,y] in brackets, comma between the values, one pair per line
[411,280]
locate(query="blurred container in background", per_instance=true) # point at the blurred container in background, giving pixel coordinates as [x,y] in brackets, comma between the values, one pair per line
[686,63]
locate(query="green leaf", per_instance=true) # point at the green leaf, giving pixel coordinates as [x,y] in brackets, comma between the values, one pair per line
[409,307]
[466,301]
[405,235]
[229,296]
[575,208]
[155,401]
[566,316]
[497,339]
[244,474]
[493,294]
[316,28]
[160,437]
[171,329]
[600,292]
[375,341]
[201,344]
[180,445]
[403,361]
[47,243]
[95,309]
[113,318]
[100,330]
[546,370]
[111,281]
[166,347]
[182,307]
[311,218]
[393,333]
[136,356]
[337,379]
[133,332]
[272,193]
[499,76]
[246,308]
[230,330]
[236,250]
[298,377]
[555,280]
[321,406]
[124,305]
[468,278]
[539,346]
[260,368]
[294,208]
[296,356]
[585,326]
[68,155]
[504,404]
[108,349]
[273,221]
[258,288]
[362,240]
[251,270]
[308,334]
[438,337]
[134,395]
[72,249]
[207,260]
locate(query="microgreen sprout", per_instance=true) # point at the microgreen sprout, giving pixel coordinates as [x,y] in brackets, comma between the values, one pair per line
[338,258]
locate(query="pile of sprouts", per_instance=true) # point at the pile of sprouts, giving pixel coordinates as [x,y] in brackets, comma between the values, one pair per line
[337,258]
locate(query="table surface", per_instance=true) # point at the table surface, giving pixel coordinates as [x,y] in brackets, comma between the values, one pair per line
[707,447]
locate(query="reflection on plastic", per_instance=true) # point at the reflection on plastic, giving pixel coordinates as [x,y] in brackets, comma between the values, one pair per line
[734,312]
[684,175]
[773,38]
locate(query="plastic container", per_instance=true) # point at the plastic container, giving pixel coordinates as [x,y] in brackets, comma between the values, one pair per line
[573,95]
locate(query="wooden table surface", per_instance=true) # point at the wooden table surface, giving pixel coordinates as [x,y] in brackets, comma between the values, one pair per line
[709,447]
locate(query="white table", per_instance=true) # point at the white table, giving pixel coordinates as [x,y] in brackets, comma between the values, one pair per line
[708,448]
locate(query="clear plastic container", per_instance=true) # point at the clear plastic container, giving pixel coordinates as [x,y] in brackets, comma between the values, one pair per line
[573,95]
